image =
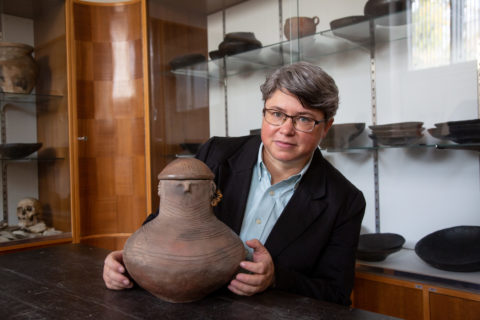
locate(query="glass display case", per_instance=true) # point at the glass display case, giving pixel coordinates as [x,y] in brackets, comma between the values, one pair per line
[407,129]
[34,149]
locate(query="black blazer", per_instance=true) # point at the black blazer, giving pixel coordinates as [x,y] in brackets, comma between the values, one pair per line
[314,241]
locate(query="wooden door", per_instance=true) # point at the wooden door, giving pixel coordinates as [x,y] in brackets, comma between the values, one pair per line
[109,85]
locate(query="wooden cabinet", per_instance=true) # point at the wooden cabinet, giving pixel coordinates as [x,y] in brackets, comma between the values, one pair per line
[91,114]
[39,116]
[410,299]
[453,304]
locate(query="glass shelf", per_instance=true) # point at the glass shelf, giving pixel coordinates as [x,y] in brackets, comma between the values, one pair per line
[37,239]
[6,97]
[268,57]
[464,146]
[329,42]
[36,159]
[359,33]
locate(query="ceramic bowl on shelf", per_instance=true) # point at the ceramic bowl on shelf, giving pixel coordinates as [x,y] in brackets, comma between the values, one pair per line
[416,132]
[397,134]
[377,246]
[464,131]
[235,43]
[408,125]
[436,133]
[215,54]
[452,249]
[352,28]
[18,150]
[186,60]
[340,135]
[463,125]
[229,48]
[387,12]
[247,37]
[395,141]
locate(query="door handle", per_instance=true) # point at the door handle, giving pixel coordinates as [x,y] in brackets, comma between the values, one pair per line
[83,138]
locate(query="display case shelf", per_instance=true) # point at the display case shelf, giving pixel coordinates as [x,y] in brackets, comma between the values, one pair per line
[464,146]
[310,48]
[6,97]
[32,159]
[270,57]
[64,237]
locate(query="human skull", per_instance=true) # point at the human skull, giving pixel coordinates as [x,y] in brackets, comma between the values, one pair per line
[29,212]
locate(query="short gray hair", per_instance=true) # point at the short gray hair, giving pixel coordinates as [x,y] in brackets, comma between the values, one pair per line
[313,87]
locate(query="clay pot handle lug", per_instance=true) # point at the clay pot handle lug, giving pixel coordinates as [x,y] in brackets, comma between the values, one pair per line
[217,198]
[316,20]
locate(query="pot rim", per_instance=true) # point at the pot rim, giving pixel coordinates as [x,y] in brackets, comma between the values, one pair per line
[16,45]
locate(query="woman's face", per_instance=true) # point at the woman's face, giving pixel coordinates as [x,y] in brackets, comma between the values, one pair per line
[285,144]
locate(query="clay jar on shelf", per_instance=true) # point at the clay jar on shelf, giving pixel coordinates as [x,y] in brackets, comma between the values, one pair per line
[185,252]
[17,67]
[298,27]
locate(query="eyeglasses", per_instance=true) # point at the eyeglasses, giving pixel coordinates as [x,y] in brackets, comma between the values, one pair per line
[300,123]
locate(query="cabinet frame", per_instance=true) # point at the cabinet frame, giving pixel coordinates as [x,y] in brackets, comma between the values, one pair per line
[425,288]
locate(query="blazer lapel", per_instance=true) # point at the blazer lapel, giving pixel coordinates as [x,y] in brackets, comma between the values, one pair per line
[236,176]
[304,207]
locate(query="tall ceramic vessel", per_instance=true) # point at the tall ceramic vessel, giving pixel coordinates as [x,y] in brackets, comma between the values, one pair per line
[185,252]
[18,70]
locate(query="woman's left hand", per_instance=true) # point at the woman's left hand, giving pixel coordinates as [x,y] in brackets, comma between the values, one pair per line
[262,272]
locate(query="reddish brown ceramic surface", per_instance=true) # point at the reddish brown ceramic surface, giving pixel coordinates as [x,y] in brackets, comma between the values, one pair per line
[185,252]
[298,27]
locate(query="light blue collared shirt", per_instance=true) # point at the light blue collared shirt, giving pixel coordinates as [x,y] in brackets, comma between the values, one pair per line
[265,202]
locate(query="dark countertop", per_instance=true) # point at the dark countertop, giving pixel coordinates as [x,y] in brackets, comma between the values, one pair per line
[65,282]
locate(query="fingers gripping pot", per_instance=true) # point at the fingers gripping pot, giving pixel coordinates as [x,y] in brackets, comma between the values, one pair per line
[184,253]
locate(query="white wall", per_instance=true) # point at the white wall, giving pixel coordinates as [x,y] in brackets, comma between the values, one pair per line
[421,190]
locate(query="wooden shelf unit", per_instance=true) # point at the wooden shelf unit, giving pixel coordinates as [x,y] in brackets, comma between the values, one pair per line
[413,299]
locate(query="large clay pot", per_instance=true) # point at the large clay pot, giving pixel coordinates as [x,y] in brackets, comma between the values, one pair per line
[298,27]
[185,252]
[18,70]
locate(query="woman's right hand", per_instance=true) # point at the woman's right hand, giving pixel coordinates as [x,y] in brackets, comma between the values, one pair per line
[114,272]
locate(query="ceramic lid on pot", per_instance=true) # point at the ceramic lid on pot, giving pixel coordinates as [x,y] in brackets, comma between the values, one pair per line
[186,169]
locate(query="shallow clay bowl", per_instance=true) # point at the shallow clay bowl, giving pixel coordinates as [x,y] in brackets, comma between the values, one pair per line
[234,47]
[377,246]
[248,37]
[409,125]
[395,141]
[452,249]
[186,60]
[353,28]
[399,133]
[18,150]
[384,8]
